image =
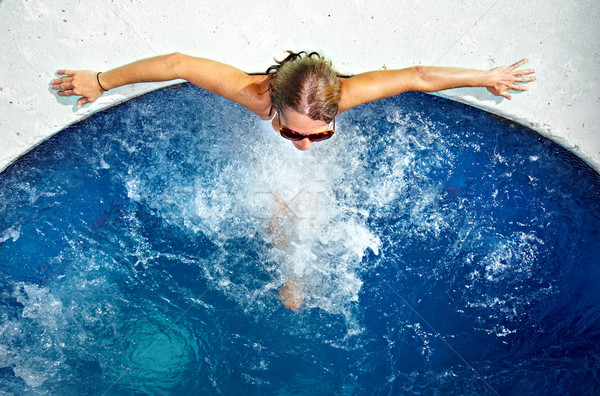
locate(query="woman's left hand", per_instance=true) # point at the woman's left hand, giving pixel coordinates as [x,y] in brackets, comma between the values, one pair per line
[504,78]
[84,83]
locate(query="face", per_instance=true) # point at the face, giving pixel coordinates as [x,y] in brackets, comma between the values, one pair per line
[303,124]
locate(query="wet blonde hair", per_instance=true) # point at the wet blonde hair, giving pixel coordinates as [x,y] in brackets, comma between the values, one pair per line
[306,83]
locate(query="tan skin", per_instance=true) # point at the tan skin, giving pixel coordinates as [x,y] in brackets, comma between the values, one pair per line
[251,91]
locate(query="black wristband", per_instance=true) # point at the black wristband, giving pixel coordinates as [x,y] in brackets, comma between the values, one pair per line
[98,78]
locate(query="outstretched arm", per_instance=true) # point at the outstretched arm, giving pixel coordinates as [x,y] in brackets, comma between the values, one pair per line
[370,86]
[216,77]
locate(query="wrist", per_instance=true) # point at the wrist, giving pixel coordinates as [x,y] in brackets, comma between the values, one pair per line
[488,79]
[99,83]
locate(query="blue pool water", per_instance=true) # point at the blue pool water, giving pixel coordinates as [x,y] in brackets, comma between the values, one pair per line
[438,249]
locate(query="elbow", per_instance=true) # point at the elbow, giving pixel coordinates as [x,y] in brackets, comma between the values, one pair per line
[420,69]
[421,80]
[173,60]
[176,65]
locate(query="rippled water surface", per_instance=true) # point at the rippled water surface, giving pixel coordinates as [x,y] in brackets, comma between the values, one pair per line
[436,249]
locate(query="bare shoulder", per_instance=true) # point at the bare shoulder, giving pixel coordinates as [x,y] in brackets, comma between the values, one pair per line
[251,91]
[255,95]
[374,85]
[346,96]
[353,92]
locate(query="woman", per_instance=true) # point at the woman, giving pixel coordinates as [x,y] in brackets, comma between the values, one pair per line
[301,94]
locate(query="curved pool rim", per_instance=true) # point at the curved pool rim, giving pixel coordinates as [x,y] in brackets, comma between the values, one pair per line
[558,42]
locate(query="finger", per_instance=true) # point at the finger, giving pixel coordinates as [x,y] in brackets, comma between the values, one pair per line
[519,87]
[525,79]
[62,72]
[81,102]
[60,81]
[62,87]
[519,63]
[524,72]
[505,94]
[66,92]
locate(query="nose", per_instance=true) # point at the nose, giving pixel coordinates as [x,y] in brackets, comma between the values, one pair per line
[303,144]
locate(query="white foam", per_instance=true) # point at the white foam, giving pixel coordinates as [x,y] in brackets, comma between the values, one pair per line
[13,233]
[39,355]
[249,196]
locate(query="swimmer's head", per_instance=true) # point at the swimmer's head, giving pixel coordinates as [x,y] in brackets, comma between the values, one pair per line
[307,84]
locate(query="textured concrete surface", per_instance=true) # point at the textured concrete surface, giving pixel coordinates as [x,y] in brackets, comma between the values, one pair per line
[562,42]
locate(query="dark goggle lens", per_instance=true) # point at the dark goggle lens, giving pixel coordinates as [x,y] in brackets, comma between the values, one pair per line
[318,137]
[315,137]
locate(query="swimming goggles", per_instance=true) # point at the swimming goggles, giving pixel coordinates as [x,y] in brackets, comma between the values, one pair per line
[296,136]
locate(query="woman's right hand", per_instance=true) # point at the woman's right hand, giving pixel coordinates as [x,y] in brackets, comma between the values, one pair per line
[82,83]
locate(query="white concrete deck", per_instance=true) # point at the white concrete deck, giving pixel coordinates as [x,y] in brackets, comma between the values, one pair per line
[561,40]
